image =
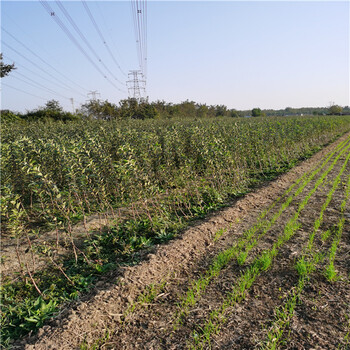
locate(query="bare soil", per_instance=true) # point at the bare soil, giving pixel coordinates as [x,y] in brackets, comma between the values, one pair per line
[321,320]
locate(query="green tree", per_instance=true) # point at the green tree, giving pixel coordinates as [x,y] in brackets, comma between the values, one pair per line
[221,111]
[187,109]
[233,113]
[51,111]
[53,105]
[335,110]
[128,108]
[5,68]
[131,108]
[146,111]
[202,111]
[97,109]
[256,112]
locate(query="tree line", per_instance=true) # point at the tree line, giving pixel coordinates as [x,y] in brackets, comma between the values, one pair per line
[142,109]
[133,109]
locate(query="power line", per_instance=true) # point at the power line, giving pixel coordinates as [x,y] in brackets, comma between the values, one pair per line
[28,93]
[139,14]
[38,85]
[134,15]
[82,37]
[139,28]
[145,35]
[97,4]
[100,35]
[25,92]
[41,59]
[37,66]
[74,41]
[37,75]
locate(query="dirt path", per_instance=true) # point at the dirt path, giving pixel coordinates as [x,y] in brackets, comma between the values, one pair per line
[115,316]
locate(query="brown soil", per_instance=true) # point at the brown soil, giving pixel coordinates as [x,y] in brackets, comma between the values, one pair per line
[319,322]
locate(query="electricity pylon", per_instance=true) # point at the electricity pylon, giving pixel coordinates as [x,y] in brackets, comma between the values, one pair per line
[136,85]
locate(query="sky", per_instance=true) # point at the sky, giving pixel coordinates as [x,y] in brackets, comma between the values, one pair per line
[251,54]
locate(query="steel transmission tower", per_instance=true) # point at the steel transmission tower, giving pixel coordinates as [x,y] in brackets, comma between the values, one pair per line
[93,94]
[136,85]
[72,101]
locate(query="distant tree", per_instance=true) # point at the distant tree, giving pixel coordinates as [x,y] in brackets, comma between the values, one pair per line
[335,110]
[146,111]
[256,112]
[187,109]
[51,111]
[211,111]
[202,111]
[97,109]
[131,108]
[5,68]
[53,105]
[233,113]
[221,111]
[174,110]
[346,110]
[128,108]
[162,108]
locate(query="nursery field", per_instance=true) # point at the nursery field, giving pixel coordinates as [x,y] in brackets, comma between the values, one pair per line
[255,214]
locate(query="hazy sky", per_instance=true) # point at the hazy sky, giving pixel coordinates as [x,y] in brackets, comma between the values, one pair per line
[242,54]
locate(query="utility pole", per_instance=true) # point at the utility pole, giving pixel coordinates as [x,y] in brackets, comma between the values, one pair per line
[93,94]
[136,85]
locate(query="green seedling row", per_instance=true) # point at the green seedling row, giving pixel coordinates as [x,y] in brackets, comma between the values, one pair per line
[267,224]
[319,221]
[243,255]
[261,263]
[198,287]
[148,296]
[330,271]
[305,265]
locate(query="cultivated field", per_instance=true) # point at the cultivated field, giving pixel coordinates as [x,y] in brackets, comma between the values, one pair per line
[86,206]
